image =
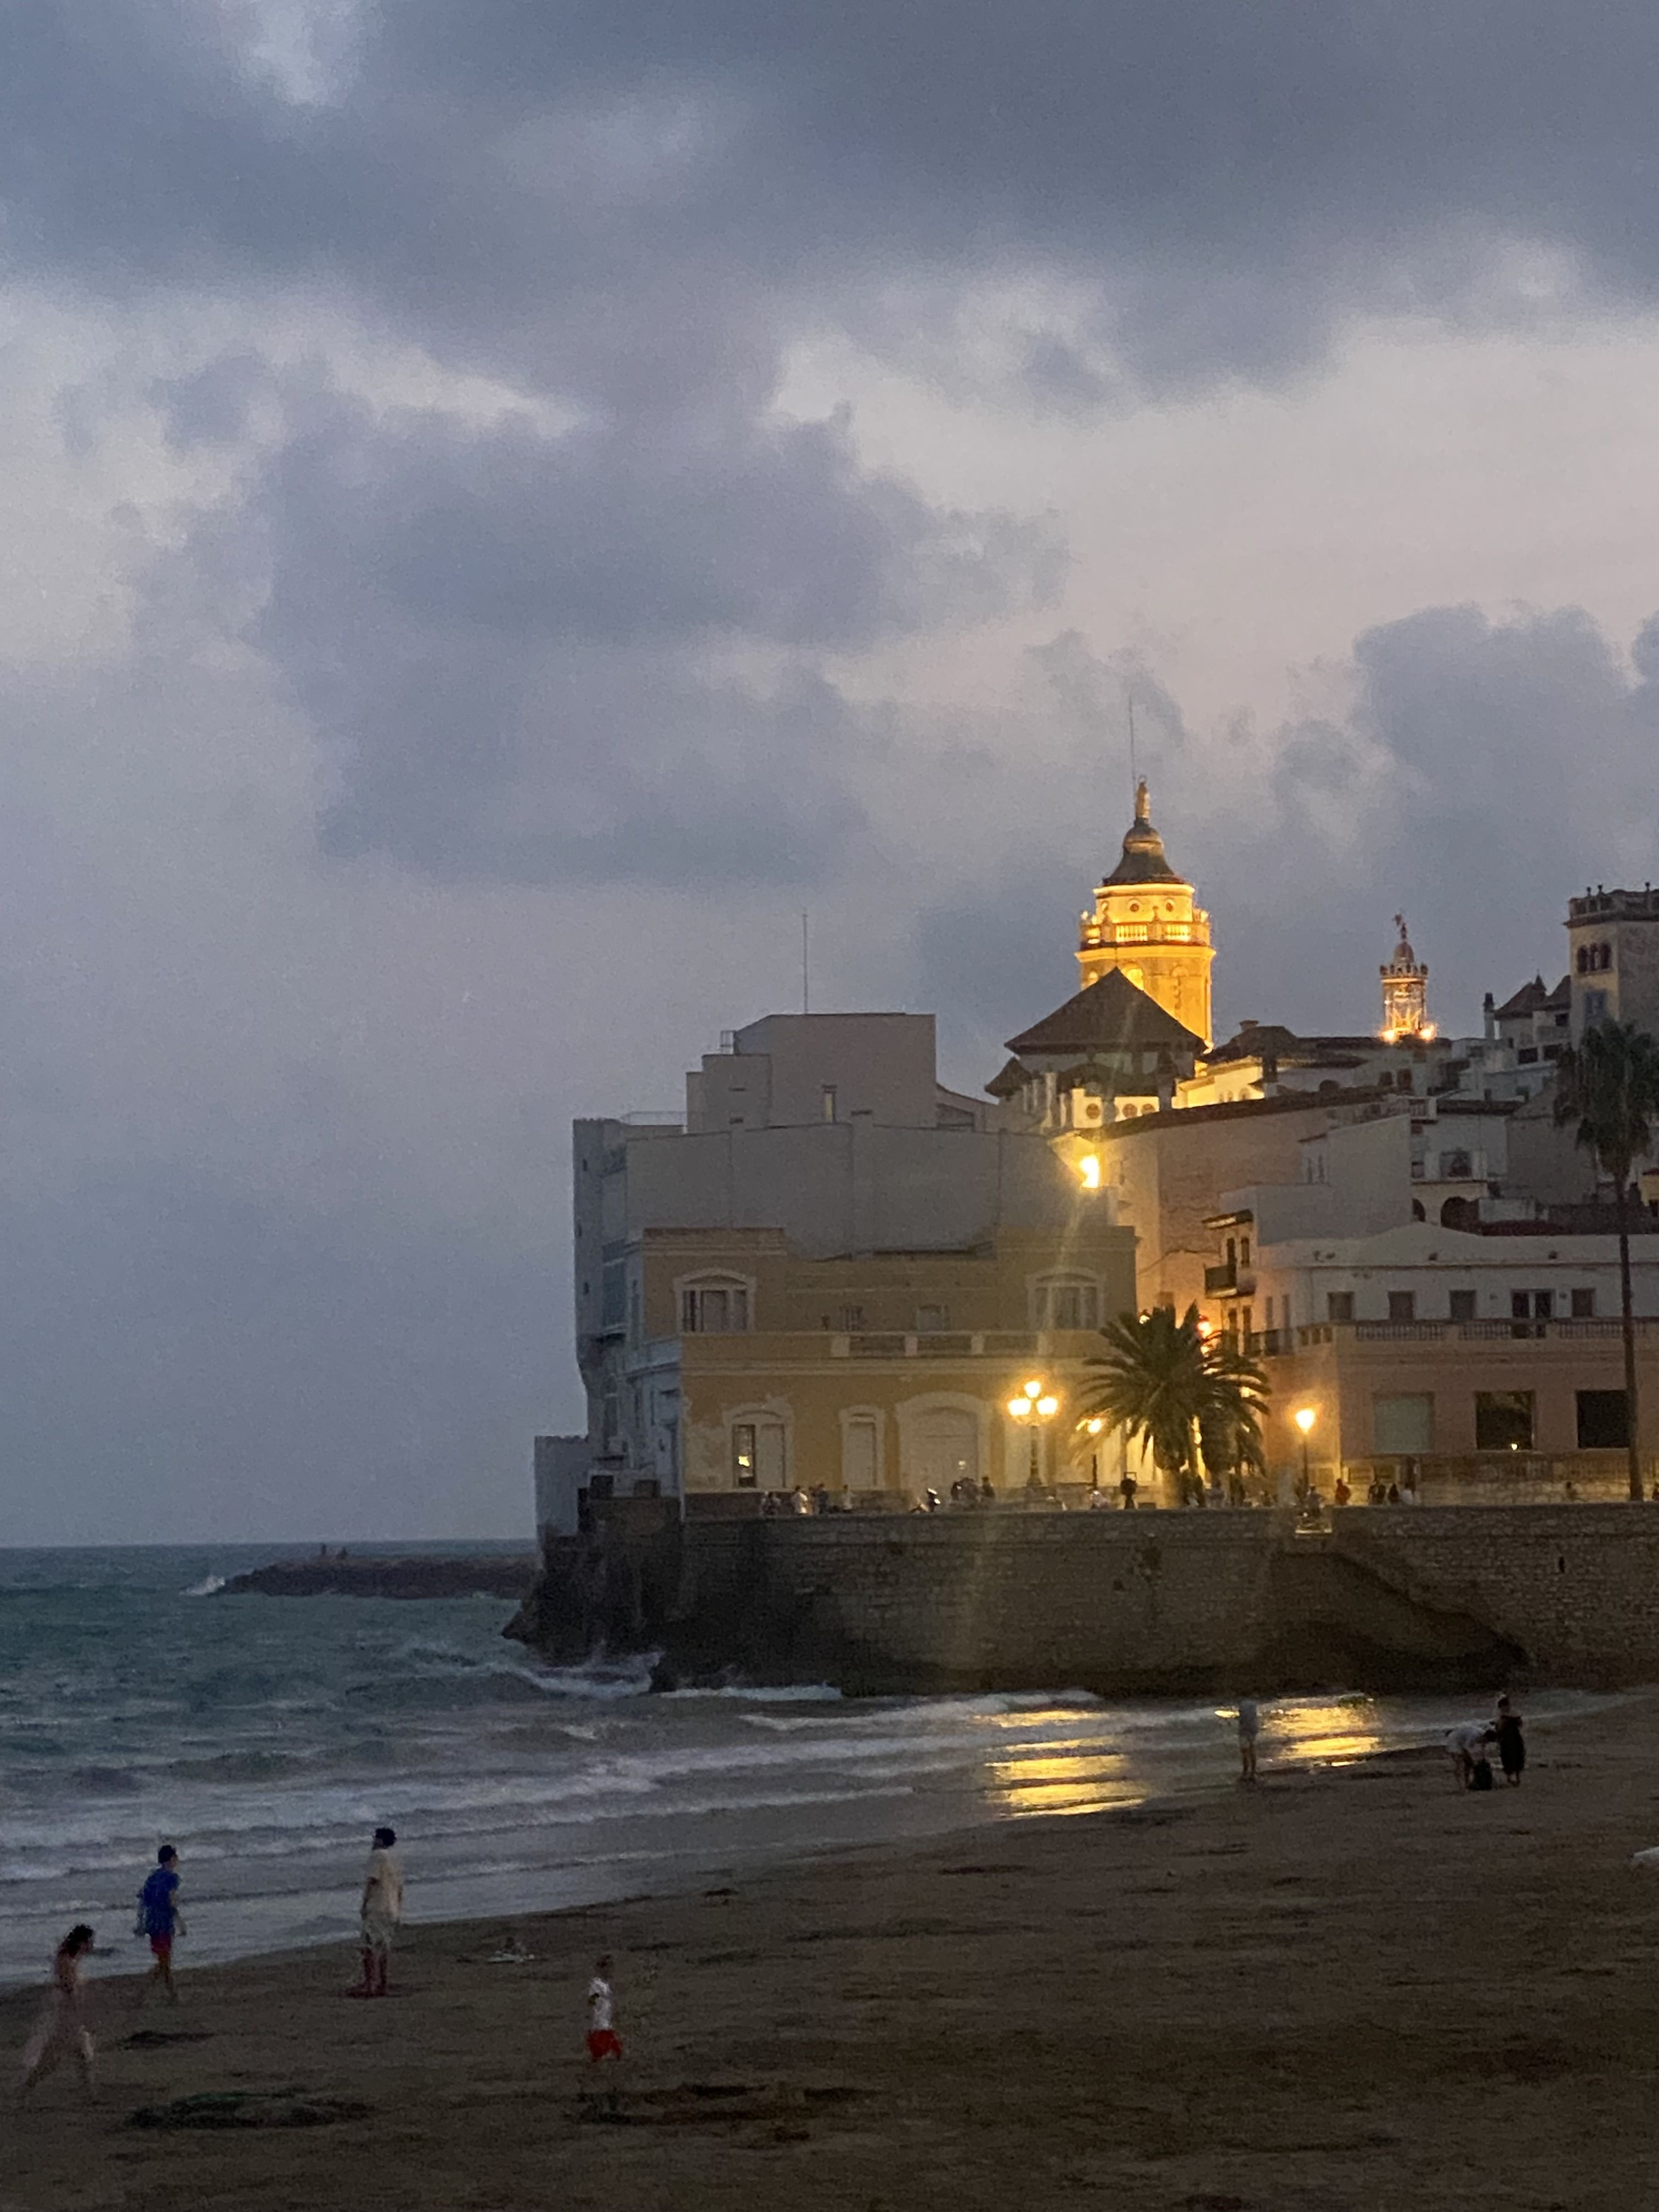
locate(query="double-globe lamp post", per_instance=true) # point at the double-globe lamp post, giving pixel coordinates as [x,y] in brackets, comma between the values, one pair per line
[1035,1405]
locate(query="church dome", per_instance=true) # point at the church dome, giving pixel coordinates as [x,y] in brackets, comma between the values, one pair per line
[1404,962]
[1143,860]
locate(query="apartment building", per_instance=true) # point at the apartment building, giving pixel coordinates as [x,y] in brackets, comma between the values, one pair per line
[830,1274]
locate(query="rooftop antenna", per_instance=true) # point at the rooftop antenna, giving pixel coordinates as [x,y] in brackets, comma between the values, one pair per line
[805,968]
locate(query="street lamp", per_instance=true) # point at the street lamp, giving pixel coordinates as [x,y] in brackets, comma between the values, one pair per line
[1035,1405]
[1304,1417]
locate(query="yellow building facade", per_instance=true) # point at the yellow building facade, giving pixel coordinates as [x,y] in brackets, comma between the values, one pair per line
[1146,925]
[880,1376]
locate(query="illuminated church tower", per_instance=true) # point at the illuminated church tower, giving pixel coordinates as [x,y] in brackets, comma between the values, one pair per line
[1405,994]
[1144,923]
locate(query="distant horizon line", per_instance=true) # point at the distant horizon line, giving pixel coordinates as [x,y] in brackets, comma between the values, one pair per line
[246,1543]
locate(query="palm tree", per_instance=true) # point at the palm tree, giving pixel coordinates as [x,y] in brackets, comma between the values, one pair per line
[1608,1083]
[1166,1382]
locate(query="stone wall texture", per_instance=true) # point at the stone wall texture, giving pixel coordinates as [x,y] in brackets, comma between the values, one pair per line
[1122,1602]
[1125,1603]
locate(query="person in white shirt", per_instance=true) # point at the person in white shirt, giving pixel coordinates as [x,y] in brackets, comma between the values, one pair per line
[380,1910]
[602,2041]
[1465,1745]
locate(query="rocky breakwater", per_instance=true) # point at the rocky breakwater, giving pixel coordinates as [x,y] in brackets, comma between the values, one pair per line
[347,1575]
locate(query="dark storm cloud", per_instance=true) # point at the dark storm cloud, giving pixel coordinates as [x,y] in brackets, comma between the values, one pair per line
[503,634]
[515,182]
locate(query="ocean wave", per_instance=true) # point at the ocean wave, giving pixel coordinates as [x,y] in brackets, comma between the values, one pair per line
[247,1765]
[108,1781]
[205,1588]
[772,1693]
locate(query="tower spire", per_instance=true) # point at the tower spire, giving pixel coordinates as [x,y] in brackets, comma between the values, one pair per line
[1146,925]
[1405,993]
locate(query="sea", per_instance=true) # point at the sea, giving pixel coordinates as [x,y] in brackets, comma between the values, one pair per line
[141,1703]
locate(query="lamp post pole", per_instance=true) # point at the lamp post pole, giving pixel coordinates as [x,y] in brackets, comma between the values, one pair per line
[1035,1405]
[1305,1418]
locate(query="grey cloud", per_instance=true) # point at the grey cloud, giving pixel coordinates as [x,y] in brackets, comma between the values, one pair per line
[213,405]
[1486,771]
[505,639]
[605,195]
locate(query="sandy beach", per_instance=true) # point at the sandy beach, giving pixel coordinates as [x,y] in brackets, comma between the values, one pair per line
[1355,1987]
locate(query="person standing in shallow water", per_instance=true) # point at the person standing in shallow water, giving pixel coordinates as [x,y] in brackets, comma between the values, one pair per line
[1249,1726]
[381,1911]
[62,2032]
[160,1918]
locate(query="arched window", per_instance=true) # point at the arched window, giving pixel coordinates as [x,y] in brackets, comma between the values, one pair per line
[1065,1302]
[714,1305]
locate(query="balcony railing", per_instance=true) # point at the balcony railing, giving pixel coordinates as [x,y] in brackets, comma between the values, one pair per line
[1224,1278]
[1146,933]
[1307,1335]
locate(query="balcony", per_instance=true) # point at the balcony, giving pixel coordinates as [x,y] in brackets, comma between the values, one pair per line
[1146,933]
[1224,1278]
[1306,1337]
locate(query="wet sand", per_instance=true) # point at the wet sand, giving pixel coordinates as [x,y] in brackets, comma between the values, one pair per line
[1356,1988]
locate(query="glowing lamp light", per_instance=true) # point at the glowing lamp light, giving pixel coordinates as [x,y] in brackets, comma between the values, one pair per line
[1034,1389]
[1305,1418]
[1048,1407]
[1094,1426]
[1020,1408]
[1089,1168]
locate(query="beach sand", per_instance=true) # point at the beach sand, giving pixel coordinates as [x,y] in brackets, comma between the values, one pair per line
[1348,1988]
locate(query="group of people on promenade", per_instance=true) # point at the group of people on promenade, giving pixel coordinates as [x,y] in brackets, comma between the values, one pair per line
[62,2035]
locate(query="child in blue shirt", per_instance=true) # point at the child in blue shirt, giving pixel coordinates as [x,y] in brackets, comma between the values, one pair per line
[160,1918]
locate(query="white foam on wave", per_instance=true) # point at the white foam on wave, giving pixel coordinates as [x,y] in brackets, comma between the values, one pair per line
[772,1693]
[206,1587]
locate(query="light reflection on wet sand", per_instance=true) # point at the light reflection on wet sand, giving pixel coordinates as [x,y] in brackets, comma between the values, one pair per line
[1070,1759]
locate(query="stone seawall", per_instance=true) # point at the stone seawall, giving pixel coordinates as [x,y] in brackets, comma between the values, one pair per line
[1433,1597]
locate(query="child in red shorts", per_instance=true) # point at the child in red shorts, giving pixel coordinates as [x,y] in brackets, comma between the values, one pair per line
[602,2041]
[160,1918]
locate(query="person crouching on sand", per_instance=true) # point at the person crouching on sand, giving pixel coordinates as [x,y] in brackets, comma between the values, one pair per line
[380,1910]
[62,2032]
[602,2041]
[1466,1747]
[160,1918]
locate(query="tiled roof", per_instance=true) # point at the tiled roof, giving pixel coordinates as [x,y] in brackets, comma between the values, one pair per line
[1111,1016]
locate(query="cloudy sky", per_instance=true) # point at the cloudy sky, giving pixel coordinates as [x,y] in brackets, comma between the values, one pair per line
[510,501]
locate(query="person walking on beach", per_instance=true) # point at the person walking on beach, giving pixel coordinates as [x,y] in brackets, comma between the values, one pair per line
[160,1918]
[62,2032]
[1249,1726]
[380,1910]
[602,2041]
